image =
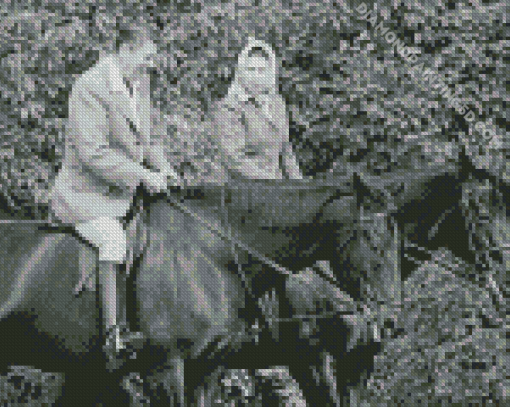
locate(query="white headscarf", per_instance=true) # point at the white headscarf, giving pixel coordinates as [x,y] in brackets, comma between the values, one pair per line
[236,89]
[268,101]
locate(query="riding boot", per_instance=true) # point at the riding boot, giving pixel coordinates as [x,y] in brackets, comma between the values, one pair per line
[134,340]
[120,343]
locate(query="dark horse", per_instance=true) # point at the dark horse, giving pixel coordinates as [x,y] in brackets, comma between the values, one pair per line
[215,250]
[209,253]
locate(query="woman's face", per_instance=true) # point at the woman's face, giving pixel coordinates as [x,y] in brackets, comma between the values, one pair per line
[256,76]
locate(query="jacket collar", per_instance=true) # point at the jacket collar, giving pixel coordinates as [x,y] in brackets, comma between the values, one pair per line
[114,74]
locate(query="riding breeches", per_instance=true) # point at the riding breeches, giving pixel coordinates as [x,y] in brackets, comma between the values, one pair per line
[108,235]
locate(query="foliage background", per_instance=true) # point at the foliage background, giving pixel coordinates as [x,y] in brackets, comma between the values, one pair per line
[350,95]
[351,99]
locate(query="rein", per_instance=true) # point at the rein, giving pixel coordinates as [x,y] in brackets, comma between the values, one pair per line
[225,232]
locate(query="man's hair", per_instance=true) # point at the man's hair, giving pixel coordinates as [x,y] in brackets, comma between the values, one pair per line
[133,35]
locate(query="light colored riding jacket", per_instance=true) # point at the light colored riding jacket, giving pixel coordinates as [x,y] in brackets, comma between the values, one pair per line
[104,152]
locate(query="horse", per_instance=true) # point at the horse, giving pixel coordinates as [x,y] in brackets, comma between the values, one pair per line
[191,293]
[274,226]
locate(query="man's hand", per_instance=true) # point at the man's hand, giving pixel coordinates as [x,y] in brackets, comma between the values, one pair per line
[290,163]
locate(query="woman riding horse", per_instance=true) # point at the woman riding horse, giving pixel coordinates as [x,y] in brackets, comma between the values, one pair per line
[189,298]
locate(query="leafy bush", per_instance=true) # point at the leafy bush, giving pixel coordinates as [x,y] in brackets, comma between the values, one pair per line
[349,93]
[24,385]
[453,346]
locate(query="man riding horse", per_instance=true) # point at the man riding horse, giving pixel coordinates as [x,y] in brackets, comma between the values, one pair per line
[108,153]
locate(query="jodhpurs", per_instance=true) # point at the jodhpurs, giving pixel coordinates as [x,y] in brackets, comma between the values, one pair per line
[108,235]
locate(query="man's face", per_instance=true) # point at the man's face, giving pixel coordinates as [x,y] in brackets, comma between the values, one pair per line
[256,76]
[139,56]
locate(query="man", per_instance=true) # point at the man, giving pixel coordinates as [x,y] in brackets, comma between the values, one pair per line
[108,153]
[251,123]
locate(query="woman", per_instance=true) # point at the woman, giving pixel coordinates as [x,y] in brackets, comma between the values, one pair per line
[250,124]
